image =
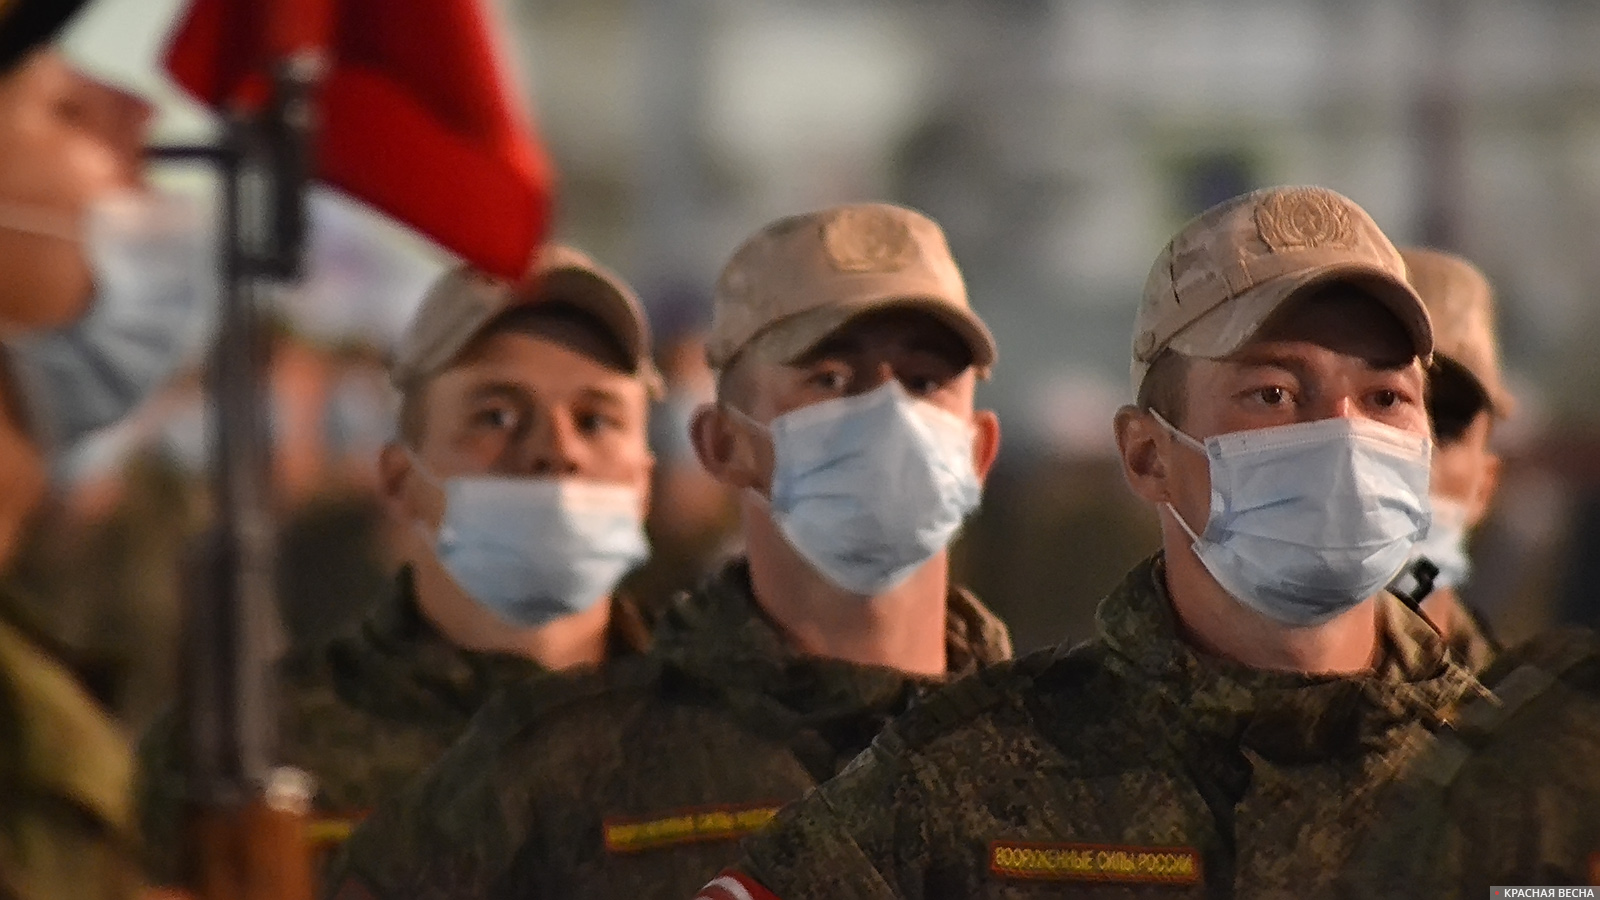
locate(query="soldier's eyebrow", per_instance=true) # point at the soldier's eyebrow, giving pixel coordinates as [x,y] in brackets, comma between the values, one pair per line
[606,396]
[501,389]
[1258,357]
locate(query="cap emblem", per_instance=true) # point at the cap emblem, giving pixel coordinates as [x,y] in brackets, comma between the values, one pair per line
[867,240]
[1302,219]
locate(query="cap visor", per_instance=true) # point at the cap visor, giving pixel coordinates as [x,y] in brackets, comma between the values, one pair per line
[1223,330]
[791,339]
[598,295]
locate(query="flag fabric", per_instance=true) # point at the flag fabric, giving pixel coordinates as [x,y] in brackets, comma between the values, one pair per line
[415,115]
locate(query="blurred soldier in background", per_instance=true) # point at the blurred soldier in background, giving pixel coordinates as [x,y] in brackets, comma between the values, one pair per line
[1253,683]
[519,483]
[694,521]
[92,272]
[1466,397]
[847,357]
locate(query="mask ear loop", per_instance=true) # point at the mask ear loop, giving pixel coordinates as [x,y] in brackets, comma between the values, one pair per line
[746,418]
[1193,444]
[430,536]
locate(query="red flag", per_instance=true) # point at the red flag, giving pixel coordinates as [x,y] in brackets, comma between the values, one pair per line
[414,114]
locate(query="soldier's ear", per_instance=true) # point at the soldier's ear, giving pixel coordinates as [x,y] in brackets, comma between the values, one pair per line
[1483,494]
[985,442]
[394,474]
[728,448]
[1141,445]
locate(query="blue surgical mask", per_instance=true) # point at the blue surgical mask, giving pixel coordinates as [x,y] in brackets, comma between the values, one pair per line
[155,289]
[1309,520]
[1446,544]
[869,488]
[533,550]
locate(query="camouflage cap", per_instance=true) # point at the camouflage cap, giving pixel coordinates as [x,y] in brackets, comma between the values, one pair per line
[800,278]
[1230,268]
[461,303]
[1461,304]
[27,24]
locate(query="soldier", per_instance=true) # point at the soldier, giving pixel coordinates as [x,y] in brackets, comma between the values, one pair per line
[846,356]
[1252,683]
[70,168]
[1466,397]
[519,482]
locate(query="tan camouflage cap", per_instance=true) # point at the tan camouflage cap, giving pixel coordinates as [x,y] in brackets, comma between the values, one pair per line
[462,302]
[800,278]
[1226,271]
[1461,304]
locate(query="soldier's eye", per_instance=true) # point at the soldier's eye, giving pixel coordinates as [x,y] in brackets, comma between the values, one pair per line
[594,423]
[1272,396]
[497,418]
[829,380]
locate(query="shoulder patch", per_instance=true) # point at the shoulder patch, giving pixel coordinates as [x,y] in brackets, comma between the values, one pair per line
[327,831]
[688,826]
[1095,862]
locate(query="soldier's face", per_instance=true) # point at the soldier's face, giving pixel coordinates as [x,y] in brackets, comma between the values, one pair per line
[1337,354]
[65,140]
[928,359]
[1465,469]
[536,403]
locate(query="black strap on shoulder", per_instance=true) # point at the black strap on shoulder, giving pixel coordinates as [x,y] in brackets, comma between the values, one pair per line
[1538,666]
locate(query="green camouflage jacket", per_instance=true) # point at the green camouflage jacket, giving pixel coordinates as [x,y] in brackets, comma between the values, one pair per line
[1508,794]
[66,817]
[636,781]
[364,713]
[1469,642]
[1128,766]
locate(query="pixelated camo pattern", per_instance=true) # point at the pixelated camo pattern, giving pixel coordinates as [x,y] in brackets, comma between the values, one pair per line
[1509,795]
[371,711]
[722,715]
[1131,741]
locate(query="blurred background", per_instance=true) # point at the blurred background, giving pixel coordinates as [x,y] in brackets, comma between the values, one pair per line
[1060,142]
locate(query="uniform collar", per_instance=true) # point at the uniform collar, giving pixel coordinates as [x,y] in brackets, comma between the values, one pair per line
[395,663]
[1282,715]
[719,634]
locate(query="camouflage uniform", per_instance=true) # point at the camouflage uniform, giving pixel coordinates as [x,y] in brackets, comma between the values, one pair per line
[1127,766]
[66,823]
[635,781]
[1469,642]
[364,714]
[66,826]
[1510,792]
